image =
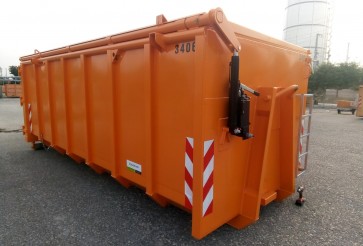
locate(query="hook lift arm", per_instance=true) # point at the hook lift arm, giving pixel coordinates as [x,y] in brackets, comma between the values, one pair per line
[239,102]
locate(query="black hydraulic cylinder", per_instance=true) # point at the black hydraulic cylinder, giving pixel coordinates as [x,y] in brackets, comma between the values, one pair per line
[245,117]
[239,103]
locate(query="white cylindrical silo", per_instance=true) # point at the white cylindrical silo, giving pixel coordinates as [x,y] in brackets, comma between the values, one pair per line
[308,24]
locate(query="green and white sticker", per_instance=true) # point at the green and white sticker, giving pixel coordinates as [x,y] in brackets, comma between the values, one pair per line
[133,167]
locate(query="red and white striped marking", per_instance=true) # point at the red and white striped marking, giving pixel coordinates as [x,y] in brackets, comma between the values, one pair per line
[30,118]
[208,177]
[359,102]
[188,182]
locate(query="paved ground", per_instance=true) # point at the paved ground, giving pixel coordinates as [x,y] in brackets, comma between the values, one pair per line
[47,199]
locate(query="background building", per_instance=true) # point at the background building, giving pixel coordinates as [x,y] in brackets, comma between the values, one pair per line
[308,24]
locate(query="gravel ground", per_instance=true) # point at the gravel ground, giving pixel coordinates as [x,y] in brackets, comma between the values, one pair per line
[47,199]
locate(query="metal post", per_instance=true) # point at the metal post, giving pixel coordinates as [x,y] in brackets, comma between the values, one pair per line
[347,58]
[316,62]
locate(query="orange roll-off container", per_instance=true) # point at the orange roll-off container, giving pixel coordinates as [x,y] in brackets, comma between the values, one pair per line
[12,90]
[200,112]
[359,112]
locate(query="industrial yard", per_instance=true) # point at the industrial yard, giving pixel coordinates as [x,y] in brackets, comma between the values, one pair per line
[208,129]
[46,198]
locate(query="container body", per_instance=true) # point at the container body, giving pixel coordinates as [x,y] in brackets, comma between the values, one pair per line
[12,90]
[151,108]
[346,106]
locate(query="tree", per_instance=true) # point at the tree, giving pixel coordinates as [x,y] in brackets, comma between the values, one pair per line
[339,76]
[350,76]
[14,70]
[321,79]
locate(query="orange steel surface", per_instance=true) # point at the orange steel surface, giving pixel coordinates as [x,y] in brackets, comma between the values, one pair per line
[12,90]
[345,104]
[136,97]
[359,112]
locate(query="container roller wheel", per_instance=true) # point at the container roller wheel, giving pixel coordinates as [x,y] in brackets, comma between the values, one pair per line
[301,200]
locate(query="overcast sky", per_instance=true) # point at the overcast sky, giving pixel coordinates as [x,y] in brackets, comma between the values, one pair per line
[26,25]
